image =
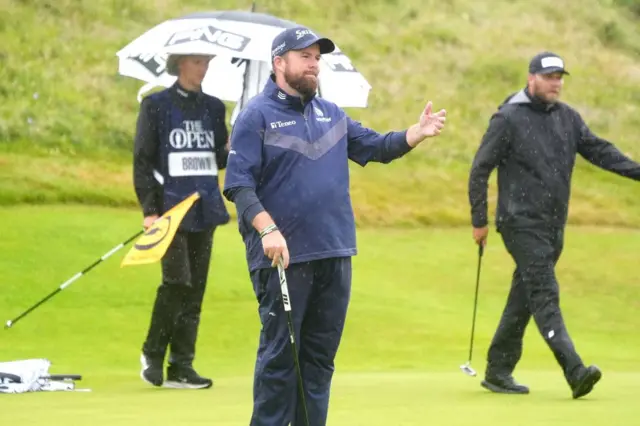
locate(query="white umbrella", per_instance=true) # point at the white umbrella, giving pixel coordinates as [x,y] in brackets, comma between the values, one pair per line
[241,42]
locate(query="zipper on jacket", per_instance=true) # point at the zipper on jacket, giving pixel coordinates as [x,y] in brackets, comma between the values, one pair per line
[306,122]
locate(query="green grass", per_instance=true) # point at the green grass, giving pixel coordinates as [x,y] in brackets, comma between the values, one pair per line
[67,118]
[378,399]
[407,330]
[66,129]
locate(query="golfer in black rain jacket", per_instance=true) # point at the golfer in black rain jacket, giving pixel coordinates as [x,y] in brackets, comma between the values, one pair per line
[181,143]
[533,140]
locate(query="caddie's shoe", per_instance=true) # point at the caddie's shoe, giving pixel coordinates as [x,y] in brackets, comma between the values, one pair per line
[585,379]
[503,384]
[179,377]
[151,371]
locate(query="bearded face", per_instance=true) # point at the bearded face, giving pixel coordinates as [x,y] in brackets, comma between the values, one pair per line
[304,82]
[547,86]
[300,69]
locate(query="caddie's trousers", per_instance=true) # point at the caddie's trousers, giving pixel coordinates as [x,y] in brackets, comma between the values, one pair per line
[176,312]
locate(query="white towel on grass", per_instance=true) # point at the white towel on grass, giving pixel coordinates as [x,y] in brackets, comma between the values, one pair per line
[29,375]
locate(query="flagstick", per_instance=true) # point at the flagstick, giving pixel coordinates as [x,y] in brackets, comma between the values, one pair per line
[67,283]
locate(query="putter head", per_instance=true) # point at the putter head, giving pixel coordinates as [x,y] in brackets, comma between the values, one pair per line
[466,368]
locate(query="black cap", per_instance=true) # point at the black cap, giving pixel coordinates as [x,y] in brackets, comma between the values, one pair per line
[299,38]
[547,63]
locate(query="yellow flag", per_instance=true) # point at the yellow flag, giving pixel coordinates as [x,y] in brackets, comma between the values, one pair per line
[153,244]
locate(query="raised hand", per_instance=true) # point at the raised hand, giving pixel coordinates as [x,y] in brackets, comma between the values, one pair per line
[432,124]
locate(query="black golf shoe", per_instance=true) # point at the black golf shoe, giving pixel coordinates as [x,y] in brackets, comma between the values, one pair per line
[585,380]
[151,371]
[503,384]
[186,378]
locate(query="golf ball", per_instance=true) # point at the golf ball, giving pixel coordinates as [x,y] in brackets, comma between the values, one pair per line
[8,323]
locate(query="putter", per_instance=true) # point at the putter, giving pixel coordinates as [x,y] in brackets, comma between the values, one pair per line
[466,367]
[284,289]
[67,283]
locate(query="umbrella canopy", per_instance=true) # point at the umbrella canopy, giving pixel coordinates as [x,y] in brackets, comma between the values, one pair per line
[241,42]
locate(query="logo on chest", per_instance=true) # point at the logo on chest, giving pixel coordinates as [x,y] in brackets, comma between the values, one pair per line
[320,116]
[280,124]
[193,135]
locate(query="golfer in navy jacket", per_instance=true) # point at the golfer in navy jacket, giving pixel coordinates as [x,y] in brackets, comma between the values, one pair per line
[288,176]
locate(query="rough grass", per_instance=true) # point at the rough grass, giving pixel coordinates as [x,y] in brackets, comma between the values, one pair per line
[66,112]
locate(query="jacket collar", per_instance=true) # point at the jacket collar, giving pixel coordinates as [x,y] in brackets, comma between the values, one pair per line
[185,96]
[273,91]
[524,97]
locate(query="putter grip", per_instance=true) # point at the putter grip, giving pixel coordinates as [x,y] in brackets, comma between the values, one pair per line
[284,288]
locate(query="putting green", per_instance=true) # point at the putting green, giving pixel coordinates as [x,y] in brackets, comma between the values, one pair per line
[406,335]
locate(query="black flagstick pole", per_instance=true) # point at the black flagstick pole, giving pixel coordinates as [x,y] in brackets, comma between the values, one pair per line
[67,283]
